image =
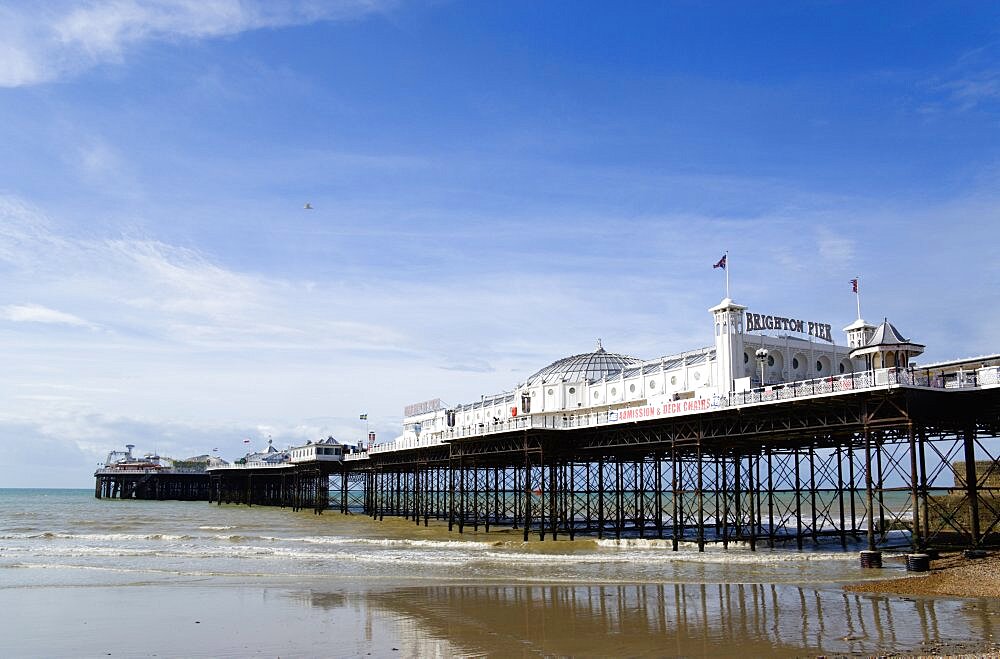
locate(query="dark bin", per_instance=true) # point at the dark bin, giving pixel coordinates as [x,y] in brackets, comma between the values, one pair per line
[871,559]
[918,562]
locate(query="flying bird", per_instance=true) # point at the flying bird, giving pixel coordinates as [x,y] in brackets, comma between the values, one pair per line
[308,206]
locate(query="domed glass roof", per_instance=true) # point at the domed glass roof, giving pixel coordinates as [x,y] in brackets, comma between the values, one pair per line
[587,366]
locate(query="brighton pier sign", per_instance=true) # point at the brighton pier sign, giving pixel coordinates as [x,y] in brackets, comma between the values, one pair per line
[757,321]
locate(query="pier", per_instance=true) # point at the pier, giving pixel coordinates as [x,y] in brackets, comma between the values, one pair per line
[759,440]
[891,459]
[148,484]
[289,486]
[125,476]
[824,460]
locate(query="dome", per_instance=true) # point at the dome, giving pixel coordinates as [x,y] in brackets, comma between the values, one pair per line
[588,366]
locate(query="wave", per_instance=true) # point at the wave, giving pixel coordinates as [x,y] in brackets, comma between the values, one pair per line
[736,553]
[112,538]
[137,570]
[336,540]
[390,542]
[99,537]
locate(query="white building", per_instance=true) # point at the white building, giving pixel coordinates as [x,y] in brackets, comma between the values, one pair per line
[750,351]
[324,450]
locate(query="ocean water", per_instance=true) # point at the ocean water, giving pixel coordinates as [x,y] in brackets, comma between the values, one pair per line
[346,585]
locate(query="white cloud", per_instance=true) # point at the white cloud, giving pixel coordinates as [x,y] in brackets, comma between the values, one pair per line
[971,82]
[41,42]
[36,313]
[974,90]
[834,247]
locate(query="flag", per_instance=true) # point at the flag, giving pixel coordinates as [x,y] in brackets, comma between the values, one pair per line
[364,417]
[854,285]
[721,263]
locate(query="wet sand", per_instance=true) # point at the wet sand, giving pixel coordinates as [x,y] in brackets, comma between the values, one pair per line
[327,617]
[952,575]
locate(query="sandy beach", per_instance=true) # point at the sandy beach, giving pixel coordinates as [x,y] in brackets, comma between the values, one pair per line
[952,575]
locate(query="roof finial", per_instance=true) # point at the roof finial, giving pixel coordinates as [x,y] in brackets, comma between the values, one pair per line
[599,346]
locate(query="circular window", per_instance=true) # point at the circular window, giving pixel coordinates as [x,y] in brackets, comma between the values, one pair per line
[614,392]
[652,384]
[770,360]
[549,392]
[819,366]
[673,379]
[572,390]
[533,393]
[631,388]
[597,395]
[697,375]
[746,358]
[795,362]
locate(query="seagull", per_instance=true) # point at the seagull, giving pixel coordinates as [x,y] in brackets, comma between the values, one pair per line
[308,206]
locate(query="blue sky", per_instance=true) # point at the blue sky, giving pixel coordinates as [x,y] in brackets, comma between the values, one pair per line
[495,185]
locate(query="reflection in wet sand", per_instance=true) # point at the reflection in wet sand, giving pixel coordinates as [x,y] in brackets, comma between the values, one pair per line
[672,619]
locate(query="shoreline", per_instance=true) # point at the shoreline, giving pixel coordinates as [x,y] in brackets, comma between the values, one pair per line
[952,575]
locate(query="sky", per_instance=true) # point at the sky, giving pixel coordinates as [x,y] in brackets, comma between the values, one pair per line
[494,186]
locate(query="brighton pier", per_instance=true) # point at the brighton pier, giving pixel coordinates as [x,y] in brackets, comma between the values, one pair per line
[759,439]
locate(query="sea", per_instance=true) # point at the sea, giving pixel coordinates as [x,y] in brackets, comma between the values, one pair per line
[81,577]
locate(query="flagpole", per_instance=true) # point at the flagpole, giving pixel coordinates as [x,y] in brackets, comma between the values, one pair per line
[858,296]
[727,273]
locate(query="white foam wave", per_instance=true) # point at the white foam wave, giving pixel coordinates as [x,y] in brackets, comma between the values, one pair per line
[104,537]
[389,542]
[736,553]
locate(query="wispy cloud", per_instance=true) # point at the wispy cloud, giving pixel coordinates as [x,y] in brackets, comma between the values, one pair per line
[972,81]
[45,41]
[973,90]
[36,313]
[834,247]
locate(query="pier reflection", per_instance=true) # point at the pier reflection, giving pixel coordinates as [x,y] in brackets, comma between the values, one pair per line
[675,619]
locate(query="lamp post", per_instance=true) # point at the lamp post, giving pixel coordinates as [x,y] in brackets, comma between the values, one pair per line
[364,417]
[761,359]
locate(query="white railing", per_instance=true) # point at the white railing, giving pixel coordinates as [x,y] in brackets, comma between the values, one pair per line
[107,471]
[988,376]
[408,443]
[506,425]
[253,465]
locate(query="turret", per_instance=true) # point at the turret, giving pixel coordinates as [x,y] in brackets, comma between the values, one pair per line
[885,347]
[858,333]
[727,318]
